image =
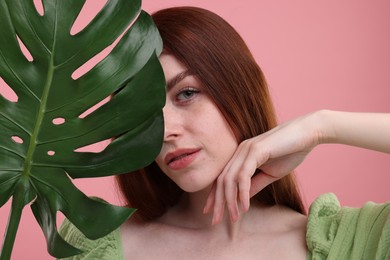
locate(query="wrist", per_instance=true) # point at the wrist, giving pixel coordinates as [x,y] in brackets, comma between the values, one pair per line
[324,129]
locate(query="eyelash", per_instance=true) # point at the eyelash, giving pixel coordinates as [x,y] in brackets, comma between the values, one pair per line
[187,90]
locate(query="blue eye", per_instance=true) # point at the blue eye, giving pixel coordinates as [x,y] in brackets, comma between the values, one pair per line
[186,94]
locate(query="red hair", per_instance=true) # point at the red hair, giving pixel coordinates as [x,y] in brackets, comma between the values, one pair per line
[216,54]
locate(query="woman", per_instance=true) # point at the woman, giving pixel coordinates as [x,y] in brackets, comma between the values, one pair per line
[221,187]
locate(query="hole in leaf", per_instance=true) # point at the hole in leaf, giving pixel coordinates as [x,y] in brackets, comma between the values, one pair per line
[17,139]
[95,147]
[39,7]
[90,9]
[58,121]
[7,92]
[24,49]
[87,66]
[51,153]
[93,108]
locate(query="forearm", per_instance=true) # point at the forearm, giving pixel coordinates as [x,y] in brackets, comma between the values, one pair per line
[366,130]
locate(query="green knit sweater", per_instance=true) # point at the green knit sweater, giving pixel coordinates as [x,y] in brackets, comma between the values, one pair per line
[332,233]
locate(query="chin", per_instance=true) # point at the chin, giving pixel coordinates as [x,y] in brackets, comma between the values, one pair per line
[194,187]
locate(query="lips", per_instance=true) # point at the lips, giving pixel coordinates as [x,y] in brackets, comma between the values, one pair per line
[180,158]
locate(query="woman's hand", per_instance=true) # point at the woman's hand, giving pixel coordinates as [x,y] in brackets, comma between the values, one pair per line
[276,153]
[279,151]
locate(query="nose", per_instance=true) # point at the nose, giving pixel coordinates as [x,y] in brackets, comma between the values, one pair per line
[172,122]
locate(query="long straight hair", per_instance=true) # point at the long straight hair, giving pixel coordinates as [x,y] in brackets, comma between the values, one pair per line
[216,54]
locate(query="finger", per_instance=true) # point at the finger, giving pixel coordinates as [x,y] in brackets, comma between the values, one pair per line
[210,200]
[246,164]
[231,199]
[219,202]
[218,198]
[244,185]
[237,182]
[227,186]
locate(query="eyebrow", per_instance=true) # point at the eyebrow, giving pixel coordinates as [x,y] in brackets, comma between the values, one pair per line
[176,79]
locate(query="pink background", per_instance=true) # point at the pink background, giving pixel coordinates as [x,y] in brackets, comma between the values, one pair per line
[315,54]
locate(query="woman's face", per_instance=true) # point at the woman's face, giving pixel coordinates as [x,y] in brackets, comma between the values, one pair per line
[198,141]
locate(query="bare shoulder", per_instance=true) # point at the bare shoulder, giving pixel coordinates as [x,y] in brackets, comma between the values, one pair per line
[133,234]
[290,220]
[283,230]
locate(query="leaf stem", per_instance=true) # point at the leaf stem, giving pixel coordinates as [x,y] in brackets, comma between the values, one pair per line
[13,224]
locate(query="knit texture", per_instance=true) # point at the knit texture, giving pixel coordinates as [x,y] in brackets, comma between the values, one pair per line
[335,232]
[106,248]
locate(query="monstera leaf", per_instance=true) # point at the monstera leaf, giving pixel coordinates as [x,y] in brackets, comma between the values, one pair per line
[40,133]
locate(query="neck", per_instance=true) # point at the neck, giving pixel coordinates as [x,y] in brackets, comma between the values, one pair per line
[189,214]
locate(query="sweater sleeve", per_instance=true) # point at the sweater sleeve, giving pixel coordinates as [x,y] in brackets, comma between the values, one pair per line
[335,232]
[106,248]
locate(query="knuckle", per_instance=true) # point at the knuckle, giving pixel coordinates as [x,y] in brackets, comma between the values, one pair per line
[243,178]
